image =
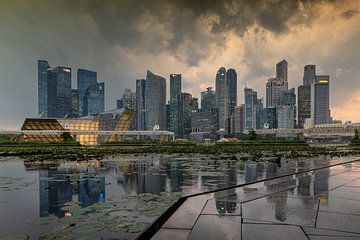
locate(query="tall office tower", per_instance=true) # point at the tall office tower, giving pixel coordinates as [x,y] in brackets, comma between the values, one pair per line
[46,90]
[168,116]
[94,99]
[128,100]
[231,78]
[267,118]
[185,109]
[221,96]
[62,76]
[304,104]
[304,95]
[274,92]
[140,104]
[239,118]
[195,103]
[258,107]
[282,72]
[289,99]
[251,103]
[285,117]
[208,99]
[175,90]
[74,103]
[320,100]
[309,74]
[155,101]
[85,79]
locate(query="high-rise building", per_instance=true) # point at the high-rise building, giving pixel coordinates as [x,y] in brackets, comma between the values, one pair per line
[128,100]
[304,95]
[282,72]
[62,76]
[208,99]
[94,101]
[205,120]
[274,92]
[46,90]
[309,74]
[85,79]
[251,102]
[155,101]
[239,118]
[195,103]
[304,104]
[140,104]
[289,99]
[231,78]
[267,118]
[175,90]
[185,109]
[221,96]
[320,100]
[285,117]
[74,103]
[168,116]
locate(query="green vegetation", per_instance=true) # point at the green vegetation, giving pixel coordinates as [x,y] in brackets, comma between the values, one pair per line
[356,138]
[252,134]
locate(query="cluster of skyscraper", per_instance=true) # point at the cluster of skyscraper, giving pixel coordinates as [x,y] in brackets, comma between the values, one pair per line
[219,113]
[56,98]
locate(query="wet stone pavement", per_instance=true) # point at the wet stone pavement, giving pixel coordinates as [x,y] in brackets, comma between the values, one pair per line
[323,203]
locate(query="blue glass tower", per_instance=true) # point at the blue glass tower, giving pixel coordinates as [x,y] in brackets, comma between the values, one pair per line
[85,79]
[94,99]
[46,91]
[62,76]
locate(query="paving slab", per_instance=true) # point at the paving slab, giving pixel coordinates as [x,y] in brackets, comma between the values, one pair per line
[272,232]
[173,234]
[341,222]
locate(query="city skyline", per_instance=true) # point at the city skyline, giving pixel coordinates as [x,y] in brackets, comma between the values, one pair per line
[250,47]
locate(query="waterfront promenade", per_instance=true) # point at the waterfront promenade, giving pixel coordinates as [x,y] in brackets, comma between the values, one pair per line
[317,202]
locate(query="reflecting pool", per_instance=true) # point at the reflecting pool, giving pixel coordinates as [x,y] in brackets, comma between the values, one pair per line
[117,197]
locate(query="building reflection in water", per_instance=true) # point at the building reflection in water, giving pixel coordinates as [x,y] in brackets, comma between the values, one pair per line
[60,185]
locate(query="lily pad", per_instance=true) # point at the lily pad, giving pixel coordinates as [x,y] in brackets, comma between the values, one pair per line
[107,218]
[117,227]
[73,219]
[19,236]
[138,227]
[87,228]
[88,238]
[42,220]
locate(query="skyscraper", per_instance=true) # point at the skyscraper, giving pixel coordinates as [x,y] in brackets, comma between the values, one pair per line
[231,78]
[46,90]
[239,118]
[74,103]
[175,90]
[85,79]
[221,96]
[251,102]
[128,100]
[309,74]
[140,104]
[267,118]
[185,109]
[304,95]
[62,76]
[285,117]
[282,72]
[208,99]
[94,99]
[155,101]
[320,100]
[274,92]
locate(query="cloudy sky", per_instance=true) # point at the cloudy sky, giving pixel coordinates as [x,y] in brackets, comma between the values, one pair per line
[121,39]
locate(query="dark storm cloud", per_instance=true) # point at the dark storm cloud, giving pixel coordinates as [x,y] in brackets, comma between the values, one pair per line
[349,14]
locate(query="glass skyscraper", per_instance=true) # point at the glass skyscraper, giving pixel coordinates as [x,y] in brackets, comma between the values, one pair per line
[155,101]
[267,118]
[251,102]
[282,72]
[221,96]
[320,109]
[62,75]
[185,108]
[208,99]
[140,104]
[304,95]
[85,79]
[94,99]
[175,90]
[46,91]
[231,78]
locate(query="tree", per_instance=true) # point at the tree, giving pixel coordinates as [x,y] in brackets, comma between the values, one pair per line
[66,137]
[356,135]
[252,134]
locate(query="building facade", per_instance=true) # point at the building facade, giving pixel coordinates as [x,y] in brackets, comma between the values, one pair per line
[155,101]
[208,99]
[185,109]
[251,102]
[46,105]
[204,120]
[231,79]
[320,100]
[285,117]
[85,79]
[94,99]
[221,97]
[267,118]
[140,104]
[74,103]
[304,95]
[238,118]
[62,76]
[175,90]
